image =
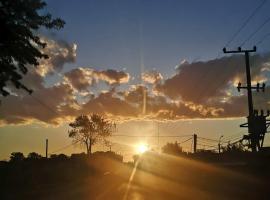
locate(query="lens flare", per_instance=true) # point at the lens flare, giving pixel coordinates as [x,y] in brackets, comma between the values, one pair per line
[142,148]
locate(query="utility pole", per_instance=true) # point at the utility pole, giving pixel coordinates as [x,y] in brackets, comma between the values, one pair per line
[257,124]
[47,143]
[194,143]
[219,146]
[248,87]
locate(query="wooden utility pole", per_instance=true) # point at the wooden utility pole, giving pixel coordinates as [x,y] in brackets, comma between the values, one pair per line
[194,143]
[219,145]
[47,143]
[257,124]
[248,87]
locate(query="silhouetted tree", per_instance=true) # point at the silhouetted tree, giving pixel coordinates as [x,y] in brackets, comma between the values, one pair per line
[34,156]
[109,154]
[19,40]
[78,156]
[59,156]
[172,148]
[16,157]
[237,147]
[89,130]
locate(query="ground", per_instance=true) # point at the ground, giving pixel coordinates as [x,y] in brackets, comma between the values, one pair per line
[156,176]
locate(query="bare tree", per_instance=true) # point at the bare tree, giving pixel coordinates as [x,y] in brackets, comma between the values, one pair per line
[90,130]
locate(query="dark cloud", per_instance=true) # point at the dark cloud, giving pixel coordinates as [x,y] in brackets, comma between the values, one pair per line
[237,106]
[197,90]
[46,104]
[49,105]
[157,106]
[109,103]
[200,81]
[82,78]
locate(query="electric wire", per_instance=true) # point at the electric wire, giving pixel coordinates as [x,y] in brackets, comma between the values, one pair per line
[245,22]
[185,141]
[262,39]
[43,104]
[63,148]
[255,32]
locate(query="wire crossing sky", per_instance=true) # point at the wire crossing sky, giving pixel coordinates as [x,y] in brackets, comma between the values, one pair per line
[143,61]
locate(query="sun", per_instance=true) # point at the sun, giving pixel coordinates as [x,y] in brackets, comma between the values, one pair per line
[142,148]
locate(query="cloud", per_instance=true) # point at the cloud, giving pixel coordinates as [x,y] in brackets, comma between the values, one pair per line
[156,106]
[109,103]
[152,77]
[49,105]
[206,86]
[196,90]
[200,81]
[60,102]
[113,77]
[59,52]
[82,78]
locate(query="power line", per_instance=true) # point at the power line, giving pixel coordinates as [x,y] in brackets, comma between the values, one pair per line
[184,141]
[174,136]
[243,25]
[207,145]
[262,39]
[246,22]
[213,140]
[256,31]
[233,140]
[43,104]
[229,137]
[63,148]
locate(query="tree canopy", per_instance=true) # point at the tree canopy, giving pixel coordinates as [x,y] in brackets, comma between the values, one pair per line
[20,42]
[172,148]
[89,130]
[16,157]
[34,156]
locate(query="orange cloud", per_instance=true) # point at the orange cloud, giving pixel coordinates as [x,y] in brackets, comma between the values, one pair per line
[197,90]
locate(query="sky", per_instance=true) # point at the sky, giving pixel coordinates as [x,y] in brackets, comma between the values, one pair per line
[144,64]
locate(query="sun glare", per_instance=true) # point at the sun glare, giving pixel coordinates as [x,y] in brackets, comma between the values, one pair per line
[142,148]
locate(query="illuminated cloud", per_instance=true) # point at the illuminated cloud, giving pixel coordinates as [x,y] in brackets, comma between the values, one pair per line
[196,90]
[54,105]
[109,103]
[152,77]
[47,104]
[59,52]
[201,81]
[112,77]
[82,78]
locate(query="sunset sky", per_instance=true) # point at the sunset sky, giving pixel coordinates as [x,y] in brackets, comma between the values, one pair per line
[150,65]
